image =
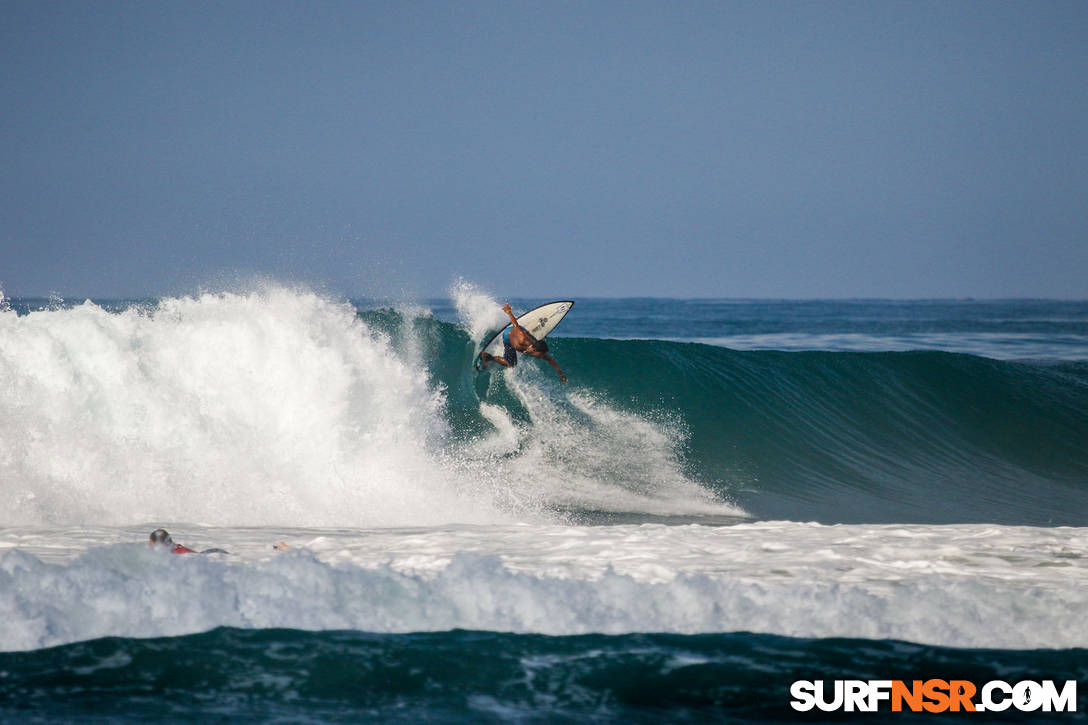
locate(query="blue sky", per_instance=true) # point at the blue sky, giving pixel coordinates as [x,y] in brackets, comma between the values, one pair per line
[721,149]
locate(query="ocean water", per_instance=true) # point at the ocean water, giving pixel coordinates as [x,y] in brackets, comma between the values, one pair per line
[727,496]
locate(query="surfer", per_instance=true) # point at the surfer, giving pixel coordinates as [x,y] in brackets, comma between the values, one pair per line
[517,339]
[161,537]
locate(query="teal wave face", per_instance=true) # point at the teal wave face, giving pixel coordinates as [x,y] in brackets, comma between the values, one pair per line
[836,437]
[873,437]
[460,676]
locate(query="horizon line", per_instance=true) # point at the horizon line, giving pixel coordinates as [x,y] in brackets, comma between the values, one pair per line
[382,298]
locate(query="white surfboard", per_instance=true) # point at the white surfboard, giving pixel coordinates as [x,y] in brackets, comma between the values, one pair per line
[538,322]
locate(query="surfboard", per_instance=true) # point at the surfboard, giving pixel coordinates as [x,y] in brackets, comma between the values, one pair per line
[538,322]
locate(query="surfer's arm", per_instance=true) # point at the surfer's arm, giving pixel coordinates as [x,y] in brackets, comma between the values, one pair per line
[513,320]
[554,364]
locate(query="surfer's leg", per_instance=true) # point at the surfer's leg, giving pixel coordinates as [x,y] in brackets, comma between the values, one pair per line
[486,357]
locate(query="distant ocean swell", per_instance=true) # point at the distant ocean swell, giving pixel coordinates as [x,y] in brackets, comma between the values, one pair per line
[459,676]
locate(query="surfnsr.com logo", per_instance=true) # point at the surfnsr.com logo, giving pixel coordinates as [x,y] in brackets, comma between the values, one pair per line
[933,696]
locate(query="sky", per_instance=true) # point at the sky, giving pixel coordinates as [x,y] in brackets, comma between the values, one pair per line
[556,149]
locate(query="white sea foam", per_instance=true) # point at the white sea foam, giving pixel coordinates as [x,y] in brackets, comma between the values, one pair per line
[589,455]
[968,586]
[274,406]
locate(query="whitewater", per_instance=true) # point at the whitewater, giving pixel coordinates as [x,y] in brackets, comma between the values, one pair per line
[962,586]
[710,470]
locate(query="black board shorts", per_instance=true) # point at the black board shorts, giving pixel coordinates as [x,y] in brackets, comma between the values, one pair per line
[508,352]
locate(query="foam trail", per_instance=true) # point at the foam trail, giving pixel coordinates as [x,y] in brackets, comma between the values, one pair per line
[506,440]
[272,406]
[577,453]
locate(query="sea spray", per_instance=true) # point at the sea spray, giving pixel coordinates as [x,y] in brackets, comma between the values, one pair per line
[589,456]
[478,311]
[274,406]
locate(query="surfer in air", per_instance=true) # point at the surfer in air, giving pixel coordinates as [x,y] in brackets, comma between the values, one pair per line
[517,339]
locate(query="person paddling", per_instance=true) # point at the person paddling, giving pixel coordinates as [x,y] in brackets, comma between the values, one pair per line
[517,339]
[161,537]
